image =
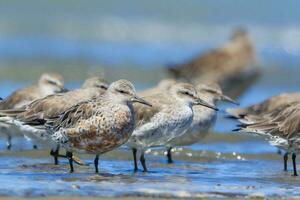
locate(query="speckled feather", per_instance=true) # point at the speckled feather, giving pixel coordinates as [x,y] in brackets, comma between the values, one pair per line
[98,125]
[30,119]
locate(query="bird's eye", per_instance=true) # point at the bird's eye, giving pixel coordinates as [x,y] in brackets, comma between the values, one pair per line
[51,82]
[102,87]
[122,91]
[187,93]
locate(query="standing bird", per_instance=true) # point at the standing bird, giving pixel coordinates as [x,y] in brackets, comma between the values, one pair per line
[170,115]
[281,127]
[49,107]
[49,83]
[98,125]
[232,65]
[204,118]
[271,104]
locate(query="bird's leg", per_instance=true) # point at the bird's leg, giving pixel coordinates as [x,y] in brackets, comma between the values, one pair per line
[143,162]
[75,159]
[285,159]
[70,157]
[169,155]
[134,151]
[55,154]
[279,151]
[8,142]
[96,161]
[294,164]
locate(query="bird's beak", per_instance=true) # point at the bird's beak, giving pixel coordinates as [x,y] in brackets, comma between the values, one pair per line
[137,99]
[228,99]
[199,101]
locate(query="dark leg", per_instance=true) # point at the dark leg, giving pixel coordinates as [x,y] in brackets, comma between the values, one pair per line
[134,159]
[279,151]
[70,157]
[294,164]
[169,155]
[55,154]
[8,143]
[143,161]
[34,146]
[96,161]
[285,159]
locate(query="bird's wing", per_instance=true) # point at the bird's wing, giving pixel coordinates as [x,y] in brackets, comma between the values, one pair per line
[39,110]
[70,117]
[282,122]
[25,95]
[267,106]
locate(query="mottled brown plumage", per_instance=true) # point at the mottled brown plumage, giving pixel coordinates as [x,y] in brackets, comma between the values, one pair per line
[98,125]
[54,105]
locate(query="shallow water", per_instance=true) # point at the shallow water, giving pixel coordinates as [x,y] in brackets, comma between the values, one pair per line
[216,168]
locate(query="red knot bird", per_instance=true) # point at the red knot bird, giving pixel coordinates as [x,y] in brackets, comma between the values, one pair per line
[171,113]
[204,118]
[49,83]
[242,114]
[280,127]
[99,125]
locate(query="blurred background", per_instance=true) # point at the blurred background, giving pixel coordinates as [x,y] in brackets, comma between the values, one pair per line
[133,38]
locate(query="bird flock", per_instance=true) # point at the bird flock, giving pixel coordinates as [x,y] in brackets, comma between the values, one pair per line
[100,116]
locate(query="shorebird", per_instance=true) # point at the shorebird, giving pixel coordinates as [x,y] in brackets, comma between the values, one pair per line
[98,125]
[169,116]
[273,103]
[280,126]
[204,118]
[49,83]
[263,107]
[232,65]
[49,107]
